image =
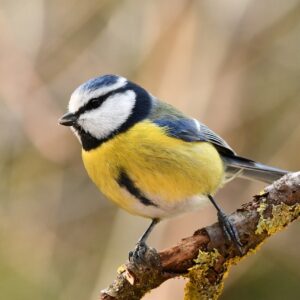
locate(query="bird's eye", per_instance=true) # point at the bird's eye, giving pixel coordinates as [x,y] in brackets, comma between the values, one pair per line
[94,103]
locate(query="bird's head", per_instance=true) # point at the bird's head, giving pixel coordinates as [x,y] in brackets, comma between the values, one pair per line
[105,106]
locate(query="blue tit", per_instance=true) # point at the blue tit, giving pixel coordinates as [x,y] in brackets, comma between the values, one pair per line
[148,157]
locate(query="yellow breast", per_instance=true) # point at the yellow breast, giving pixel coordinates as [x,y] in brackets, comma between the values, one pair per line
[165,168]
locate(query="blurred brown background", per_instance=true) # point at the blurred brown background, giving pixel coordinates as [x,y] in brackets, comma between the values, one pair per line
[235,65]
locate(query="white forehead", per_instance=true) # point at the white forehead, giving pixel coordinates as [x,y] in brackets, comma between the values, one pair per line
[94,88]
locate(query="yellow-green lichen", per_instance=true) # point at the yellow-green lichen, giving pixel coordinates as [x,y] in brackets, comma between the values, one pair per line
[121,269]
[199,286]
[281,215]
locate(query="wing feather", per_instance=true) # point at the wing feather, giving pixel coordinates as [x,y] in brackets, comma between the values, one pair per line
[185,128]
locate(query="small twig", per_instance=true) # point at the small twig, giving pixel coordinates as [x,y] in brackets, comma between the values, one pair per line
[205,257]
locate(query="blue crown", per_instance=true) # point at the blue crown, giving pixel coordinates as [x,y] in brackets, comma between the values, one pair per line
[98,82]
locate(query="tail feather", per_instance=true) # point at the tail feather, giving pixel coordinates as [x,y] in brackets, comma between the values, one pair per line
[250,169]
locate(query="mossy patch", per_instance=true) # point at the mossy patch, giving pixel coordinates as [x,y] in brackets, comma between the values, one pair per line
[281,215]
[121,269]
[199,286]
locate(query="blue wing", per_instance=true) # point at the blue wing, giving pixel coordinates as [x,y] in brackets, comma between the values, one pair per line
[190,130]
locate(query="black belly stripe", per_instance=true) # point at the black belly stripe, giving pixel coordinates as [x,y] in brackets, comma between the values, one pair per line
[125,182]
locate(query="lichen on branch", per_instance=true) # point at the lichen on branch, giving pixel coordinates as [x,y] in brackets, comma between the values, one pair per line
[199,285]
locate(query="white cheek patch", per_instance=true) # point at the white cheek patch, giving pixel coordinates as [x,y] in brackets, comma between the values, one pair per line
[110,116]
[81,96]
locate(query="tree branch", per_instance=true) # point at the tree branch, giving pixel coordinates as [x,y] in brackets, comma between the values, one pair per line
[206,256]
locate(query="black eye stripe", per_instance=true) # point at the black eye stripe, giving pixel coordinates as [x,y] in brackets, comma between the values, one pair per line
[92,104]
[97,102]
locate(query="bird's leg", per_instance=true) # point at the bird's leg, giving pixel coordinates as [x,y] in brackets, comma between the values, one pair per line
[227,226]
[141,247]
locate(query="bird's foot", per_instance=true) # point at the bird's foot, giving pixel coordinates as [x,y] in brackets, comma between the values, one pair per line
[230,231]
[137,256]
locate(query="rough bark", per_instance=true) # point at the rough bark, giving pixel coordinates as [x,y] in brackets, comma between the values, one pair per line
[206,256]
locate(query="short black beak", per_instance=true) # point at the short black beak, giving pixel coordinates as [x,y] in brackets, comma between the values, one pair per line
[67,119]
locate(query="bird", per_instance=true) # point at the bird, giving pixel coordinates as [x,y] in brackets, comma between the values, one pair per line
[151,159]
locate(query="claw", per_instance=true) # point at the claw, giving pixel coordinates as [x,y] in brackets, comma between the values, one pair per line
[230,231]
[138,254]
